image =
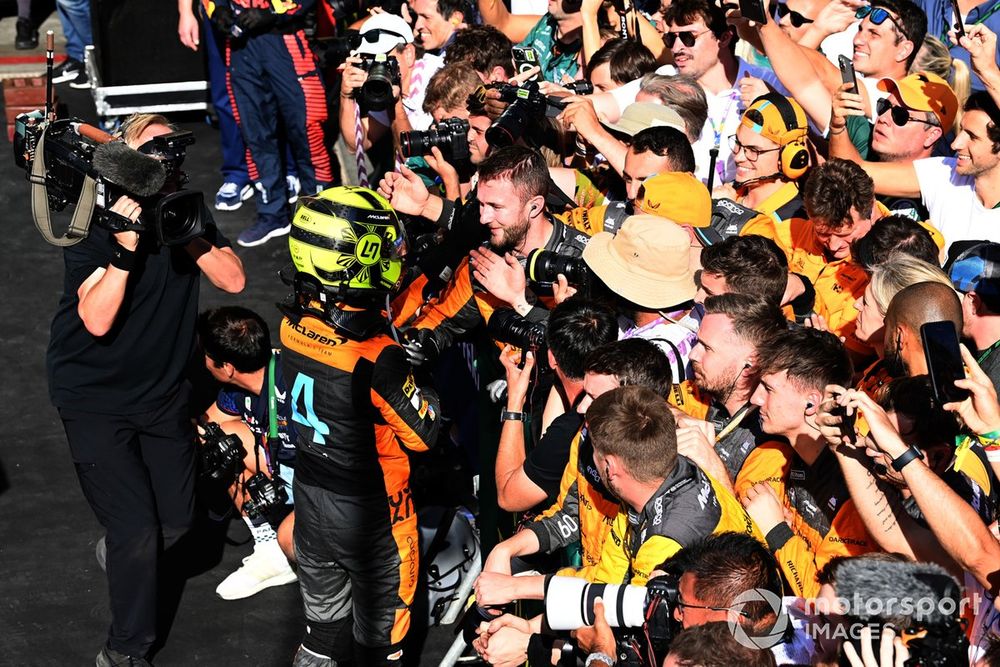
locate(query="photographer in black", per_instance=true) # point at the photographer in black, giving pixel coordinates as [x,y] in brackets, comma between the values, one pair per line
[525,480]
[120,343]
[254,404]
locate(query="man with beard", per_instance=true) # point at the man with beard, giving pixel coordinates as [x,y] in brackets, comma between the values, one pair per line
[513,183]
[724,369]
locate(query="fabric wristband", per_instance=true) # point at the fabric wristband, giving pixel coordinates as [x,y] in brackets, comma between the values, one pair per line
[903,459]
[778,536]
[512,416]
[122,258]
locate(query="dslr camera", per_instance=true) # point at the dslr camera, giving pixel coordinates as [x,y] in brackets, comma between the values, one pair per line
[221,454]
[375,93]
[544,266]
[266,493]
[450,135]
[643,616]
[71,162]
[507,326]
[526,104]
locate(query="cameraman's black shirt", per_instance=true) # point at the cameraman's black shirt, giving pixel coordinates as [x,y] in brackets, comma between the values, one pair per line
[140,363]
[544,465]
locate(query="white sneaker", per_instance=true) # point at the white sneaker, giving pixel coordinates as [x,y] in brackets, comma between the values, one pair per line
[265,567]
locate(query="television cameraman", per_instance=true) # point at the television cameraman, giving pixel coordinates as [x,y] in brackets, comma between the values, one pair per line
[120,344]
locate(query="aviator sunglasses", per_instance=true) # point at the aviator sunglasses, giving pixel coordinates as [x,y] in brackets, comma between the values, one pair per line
[900,115]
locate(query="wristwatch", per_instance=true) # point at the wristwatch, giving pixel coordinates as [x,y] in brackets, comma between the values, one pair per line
[512,416]
[598,657]
[903,459]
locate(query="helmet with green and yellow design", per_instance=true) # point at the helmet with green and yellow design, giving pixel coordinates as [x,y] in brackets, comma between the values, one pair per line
[351,241]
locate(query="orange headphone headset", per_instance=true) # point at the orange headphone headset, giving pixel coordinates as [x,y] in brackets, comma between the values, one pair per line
[793,160]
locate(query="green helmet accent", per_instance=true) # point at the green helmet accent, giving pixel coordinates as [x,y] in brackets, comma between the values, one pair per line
[350,239]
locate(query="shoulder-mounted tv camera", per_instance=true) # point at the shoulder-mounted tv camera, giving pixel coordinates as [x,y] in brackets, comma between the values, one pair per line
[70,162]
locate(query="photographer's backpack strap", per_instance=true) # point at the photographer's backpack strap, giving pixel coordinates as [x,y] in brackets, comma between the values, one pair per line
[79,225]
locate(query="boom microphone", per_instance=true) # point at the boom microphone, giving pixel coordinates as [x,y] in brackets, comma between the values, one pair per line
[922,592]
[129,169]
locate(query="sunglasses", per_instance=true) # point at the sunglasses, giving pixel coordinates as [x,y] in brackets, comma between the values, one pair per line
[752,152]
[900,115]
[373,35]
[797,20]
[878,16]
[687,38]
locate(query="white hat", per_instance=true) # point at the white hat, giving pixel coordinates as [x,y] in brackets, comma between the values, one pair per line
[382,33]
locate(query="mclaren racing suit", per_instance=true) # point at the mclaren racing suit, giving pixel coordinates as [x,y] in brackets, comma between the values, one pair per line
[464,303]
[824,522]
[584,509]
[356,407]
[688,506]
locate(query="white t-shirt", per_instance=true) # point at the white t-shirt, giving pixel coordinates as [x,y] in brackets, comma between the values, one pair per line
[952,203]
[724,111]
[676,333]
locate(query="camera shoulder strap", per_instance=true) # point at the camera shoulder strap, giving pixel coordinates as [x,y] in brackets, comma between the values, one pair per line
[272,403]
[79,225]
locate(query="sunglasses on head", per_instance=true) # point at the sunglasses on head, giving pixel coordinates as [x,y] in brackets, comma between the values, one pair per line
[687,38]
[797,20]
[878,16]
[900,115]
[373,35]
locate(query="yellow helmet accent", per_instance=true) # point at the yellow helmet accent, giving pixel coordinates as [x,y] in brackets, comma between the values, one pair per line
[350,239]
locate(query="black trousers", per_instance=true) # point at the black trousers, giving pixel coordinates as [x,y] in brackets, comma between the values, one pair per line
[137,473]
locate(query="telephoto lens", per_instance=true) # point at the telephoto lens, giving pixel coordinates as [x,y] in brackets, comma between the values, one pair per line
[544,266]
[507,326]
[450,136]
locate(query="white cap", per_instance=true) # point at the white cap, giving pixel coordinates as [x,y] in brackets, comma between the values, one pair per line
[391,30]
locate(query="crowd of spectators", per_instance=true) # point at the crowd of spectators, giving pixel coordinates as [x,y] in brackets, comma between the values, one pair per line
[709,274]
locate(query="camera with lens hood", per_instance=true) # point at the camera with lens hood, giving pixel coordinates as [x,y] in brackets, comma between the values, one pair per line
[221,454]
[265,493]
[643,616]
[544,266]
[375,94]
[507,326]
[450,135]
[525,105]
[78,164]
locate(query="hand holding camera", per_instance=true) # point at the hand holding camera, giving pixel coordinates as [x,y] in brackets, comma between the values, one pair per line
[129,209]
[518,376]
